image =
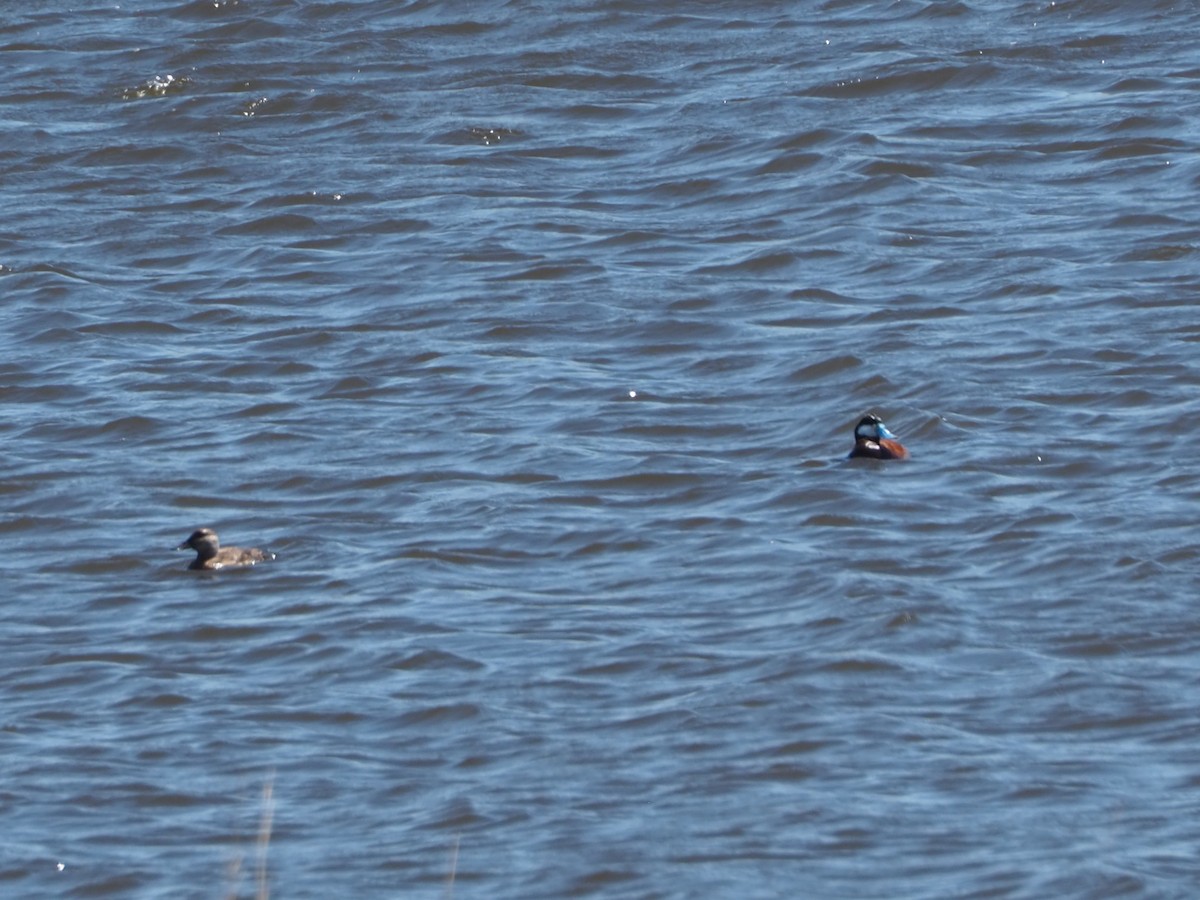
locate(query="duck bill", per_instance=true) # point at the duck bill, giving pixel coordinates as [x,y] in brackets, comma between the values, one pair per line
[885,434]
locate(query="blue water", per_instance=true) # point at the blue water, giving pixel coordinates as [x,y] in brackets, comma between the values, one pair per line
[531,337]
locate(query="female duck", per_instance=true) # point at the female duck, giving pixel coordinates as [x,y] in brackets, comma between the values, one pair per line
[211,555]
[873,440]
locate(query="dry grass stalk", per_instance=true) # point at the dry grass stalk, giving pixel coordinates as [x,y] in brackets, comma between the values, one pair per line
[264,836]
[449,893]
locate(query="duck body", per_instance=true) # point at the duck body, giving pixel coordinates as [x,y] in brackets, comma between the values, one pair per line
[872,440]
[210,555]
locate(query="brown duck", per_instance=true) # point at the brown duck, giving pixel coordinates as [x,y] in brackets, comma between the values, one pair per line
[211,555]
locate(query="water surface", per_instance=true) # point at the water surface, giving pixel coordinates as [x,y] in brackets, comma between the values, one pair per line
[531,338]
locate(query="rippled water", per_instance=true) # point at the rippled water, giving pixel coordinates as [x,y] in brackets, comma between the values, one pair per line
[531,338]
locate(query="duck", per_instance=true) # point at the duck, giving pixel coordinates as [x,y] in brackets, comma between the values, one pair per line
[873,440]
[211,555]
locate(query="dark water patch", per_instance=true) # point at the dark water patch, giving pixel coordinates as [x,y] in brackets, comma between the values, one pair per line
[395,226]
[939,10]
[569,270]
[1139,85]
[879,167]
[486,136]
[1144,147]
[202,633]
[310,198]
[351,387]
[284,223]
[790,162]
[142,328]
[138,157]
[106,565]
[833,366]
[930,79]
[262,410]
[609,547]
[756,263]
[433,659]
[566,152]
[470,556]
[687,189]
[526,478]
[593,82]
[860,666]
[1159,253]
[436,715]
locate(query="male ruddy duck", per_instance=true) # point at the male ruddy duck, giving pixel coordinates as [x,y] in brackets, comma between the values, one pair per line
[211,555]
[873,440]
